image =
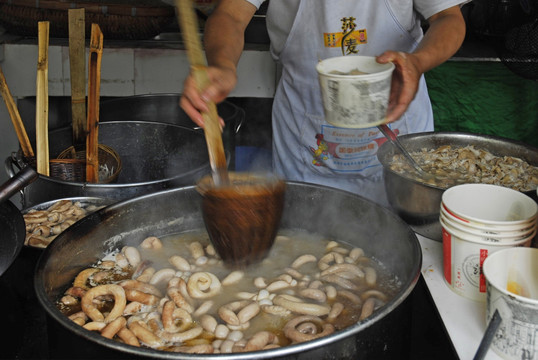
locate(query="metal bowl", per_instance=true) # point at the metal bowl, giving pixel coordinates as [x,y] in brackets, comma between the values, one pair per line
[418,203]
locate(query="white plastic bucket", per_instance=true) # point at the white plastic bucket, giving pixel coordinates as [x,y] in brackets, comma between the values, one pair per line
[490,205]
[355,101]
[512,290]
[463,257]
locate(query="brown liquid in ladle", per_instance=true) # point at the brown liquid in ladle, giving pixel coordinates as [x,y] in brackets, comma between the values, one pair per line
[242,218]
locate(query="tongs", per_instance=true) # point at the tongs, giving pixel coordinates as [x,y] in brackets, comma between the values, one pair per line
[391,136]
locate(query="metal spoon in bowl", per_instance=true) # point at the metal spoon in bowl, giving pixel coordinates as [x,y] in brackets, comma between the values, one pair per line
[391,136]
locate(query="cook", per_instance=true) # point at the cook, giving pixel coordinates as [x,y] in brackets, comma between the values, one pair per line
[305,147]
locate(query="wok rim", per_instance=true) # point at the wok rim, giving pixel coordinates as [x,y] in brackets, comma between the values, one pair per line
[398,299]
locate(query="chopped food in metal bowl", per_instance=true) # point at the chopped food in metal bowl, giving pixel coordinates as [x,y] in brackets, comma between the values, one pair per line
[454,165]
[46,221]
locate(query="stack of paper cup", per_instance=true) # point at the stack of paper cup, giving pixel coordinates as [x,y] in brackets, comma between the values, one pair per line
[477,220]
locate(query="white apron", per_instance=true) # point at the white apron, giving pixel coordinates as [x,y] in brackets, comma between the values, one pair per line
[305,147]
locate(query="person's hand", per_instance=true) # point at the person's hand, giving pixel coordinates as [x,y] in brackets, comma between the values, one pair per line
[194,101]
[405,80]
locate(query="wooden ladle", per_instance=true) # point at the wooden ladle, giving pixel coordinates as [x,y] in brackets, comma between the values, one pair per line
[241,212]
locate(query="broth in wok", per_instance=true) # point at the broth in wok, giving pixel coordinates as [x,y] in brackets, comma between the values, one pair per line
[175,294]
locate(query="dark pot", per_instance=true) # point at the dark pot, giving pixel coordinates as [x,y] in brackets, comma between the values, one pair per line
[154,156]
[313,208]
[165,108]
[12,227]
[12,234]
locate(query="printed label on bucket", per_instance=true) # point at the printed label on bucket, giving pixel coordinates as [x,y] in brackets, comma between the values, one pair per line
[462,267]
[483,256]
[447,258]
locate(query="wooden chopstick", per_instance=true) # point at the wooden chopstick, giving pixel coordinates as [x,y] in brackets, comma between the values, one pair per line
[77,66]
[94,82]
[42,100]
[15,116]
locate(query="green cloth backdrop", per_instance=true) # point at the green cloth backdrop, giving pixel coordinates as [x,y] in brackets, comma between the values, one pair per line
[484,97]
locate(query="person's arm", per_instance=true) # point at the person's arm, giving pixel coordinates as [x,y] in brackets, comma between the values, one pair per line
[223,42]
[443,38]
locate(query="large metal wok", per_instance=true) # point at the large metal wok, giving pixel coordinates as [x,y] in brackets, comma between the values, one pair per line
[154,156]
[316,209]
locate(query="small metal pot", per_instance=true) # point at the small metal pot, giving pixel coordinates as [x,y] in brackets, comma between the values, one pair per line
[419,203]
[319,210]
[154,156]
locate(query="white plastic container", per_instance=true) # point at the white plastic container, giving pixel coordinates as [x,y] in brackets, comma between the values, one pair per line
[463,258]
[512,289]
[355,101]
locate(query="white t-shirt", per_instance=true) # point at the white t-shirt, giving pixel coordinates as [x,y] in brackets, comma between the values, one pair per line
[281,14]
[307,148]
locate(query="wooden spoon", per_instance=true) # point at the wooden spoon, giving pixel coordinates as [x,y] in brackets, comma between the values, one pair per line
[94,81]
[213,135]
[15,116]
[77,66]
[42,100]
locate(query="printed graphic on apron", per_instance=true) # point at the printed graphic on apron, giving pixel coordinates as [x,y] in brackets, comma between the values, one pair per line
[346,150]
[348,39]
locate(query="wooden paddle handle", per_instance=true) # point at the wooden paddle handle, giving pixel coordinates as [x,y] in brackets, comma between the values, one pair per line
[94,82]
[212,130]
[217,157]
[189,29]
[42,100]
[15,116]
[77,66]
